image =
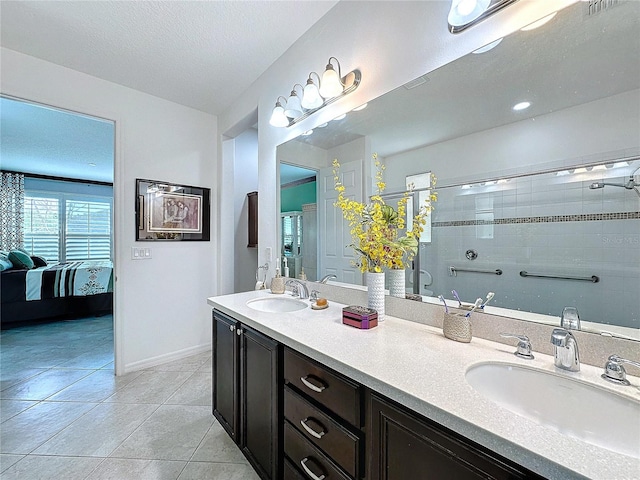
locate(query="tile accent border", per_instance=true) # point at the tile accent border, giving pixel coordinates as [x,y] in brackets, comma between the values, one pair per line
[585,217]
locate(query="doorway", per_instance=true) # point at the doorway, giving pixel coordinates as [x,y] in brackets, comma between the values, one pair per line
[64,163]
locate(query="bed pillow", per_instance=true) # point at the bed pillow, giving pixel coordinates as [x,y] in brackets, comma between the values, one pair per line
[21,259]
[5,263]
[38,261]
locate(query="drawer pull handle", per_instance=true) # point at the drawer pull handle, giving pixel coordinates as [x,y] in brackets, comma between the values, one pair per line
[311,386]
[303,462]
[311,430]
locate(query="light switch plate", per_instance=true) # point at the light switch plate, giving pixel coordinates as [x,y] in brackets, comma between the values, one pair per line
[140,253]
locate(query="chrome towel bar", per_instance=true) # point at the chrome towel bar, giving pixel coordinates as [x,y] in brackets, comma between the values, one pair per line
[592,278]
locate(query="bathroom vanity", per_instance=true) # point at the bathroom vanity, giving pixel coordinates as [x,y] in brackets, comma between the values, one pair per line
[313,397]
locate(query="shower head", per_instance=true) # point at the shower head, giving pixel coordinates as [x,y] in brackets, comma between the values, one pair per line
[631,184]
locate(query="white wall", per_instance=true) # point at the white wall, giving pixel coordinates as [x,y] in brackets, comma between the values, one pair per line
[388,53]
[160,308]
[245,181]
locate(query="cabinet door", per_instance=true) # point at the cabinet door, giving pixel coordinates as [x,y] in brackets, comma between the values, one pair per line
[261,404]
[405,446]
[226,373]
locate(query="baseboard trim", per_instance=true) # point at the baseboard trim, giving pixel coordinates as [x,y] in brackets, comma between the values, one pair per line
[165,358]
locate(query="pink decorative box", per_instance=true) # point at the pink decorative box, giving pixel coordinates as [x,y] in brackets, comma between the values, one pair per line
[359,317]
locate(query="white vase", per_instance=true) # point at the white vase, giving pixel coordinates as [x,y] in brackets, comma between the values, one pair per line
[375,293]
[396,282]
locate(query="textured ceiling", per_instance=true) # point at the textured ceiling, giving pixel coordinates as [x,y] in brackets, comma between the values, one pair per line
[47,141]
[203,54]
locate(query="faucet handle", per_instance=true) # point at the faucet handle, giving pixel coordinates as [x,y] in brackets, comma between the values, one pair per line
[524,345]
[614,370]
[314,295]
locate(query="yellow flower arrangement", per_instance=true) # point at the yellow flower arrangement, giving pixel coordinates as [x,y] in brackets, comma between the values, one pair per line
[376,227]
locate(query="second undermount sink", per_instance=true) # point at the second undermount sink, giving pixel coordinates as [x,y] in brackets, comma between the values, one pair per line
[571,407]
[277,304]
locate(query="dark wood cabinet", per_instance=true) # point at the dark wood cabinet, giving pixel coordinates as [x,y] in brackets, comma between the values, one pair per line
[252,206]
[226,369]
[247,402]
[294,418]
[403,445]
[323,419]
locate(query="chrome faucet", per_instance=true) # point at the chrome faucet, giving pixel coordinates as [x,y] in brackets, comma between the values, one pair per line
[326,278]
[570,318]
[299,288]
[614,370]
[565,350]
[524,345]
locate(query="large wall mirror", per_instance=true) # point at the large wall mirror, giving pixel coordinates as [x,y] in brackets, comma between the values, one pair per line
[549,194]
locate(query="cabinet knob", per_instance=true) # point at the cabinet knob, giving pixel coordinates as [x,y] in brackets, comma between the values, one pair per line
[239,331]
[232,328]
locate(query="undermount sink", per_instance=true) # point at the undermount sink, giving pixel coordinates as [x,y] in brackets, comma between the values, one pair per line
[277,304]
[574,408]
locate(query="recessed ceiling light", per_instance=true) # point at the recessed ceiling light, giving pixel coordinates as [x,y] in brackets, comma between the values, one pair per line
[361,107]
[340,117]
[521,106]
[322,125]
[488,47]
[307,133]
[620,164]
[539,23]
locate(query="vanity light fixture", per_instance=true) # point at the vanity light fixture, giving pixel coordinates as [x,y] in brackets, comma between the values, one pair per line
[521,106]
[598,167]
[330,88]
[293,108]
[465,13]
[311,97]
[278,118]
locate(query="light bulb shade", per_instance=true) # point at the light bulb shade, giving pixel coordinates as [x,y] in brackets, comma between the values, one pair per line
[466,11]
[294,109]
[330,86]
[278,118]
[311,96]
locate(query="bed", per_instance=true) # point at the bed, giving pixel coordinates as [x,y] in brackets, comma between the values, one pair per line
[69,290]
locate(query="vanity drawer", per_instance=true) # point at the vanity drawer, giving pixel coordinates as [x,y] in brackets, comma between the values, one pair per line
[335,440]
[306,456]
[337,393]
[291,473]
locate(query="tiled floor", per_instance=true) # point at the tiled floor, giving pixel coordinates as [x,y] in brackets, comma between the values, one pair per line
[66,416]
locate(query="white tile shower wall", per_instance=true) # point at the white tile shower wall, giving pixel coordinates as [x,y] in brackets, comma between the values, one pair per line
[581,246]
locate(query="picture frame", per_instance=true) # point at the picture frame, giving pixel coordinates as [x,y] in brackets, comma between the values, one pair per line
[170,212]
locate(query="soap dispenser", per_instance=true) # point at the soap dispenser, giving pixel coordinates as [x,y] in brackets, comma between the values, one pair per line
[277,283]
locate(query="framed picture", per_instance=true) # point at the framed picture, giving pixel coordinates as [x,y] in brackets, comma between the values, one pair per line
[167,211]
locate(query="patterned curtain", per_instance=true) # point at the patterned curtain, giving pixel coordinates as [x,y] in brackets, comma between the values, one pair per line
[11,211]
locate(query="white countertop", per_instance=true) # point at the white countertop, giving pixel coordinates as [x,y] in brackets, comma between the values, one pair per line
[418,367]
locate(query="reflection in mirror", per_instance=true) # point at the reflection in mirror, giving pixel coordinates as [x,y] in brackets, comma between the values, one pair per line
[528,190]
